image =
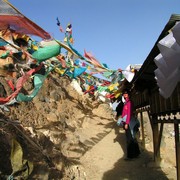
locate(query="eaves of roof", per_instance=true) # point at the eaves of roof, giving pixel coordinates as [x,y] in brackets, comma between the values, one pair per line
[145,76]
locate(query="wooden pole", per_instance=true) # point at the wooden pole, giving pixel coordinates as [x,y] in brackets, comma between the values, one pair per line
[155,129]
[142,130]
[177,146]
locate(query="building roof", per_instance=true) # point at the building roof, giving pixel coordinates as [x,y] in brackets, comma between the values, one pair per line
[145,77]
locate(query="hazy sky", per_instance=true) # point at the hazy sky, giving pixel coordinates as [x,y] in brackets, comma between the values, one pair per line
[116,32]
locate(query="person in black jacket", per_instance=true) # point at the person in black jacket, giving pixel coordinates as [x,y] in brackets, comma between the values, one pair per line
[119,109]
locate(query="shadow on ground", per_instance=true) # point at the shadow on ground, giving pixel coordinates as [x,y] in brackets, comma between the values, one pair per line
[141,168]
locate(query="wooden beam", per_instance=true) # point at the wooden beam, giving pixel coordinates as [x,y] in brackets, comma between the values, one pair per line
[160,137]
[177,146]
[150,118]
[142,129]
[155,130]
[166,121]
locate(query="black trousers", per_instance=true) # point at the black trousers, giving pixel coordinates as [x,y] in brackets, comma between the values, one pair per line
[132,145]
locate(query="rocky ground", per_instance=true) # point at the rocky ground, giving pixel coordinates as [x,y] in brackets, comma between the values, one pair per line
[64,135]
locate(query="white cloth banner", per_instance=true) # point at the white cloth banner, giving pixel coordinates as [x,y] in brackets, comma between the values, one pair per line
[128,74]
[161,64]
[167,85]
[167,74]
[176,32]
[171,57]
[170,42]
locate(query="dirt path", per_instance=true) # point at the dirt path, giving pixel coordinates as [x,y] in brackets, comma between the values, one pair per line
[105,161]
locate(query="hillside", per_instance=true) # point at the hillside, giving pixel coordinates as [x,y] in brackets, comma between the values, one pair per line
[49,129]
[62,134]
